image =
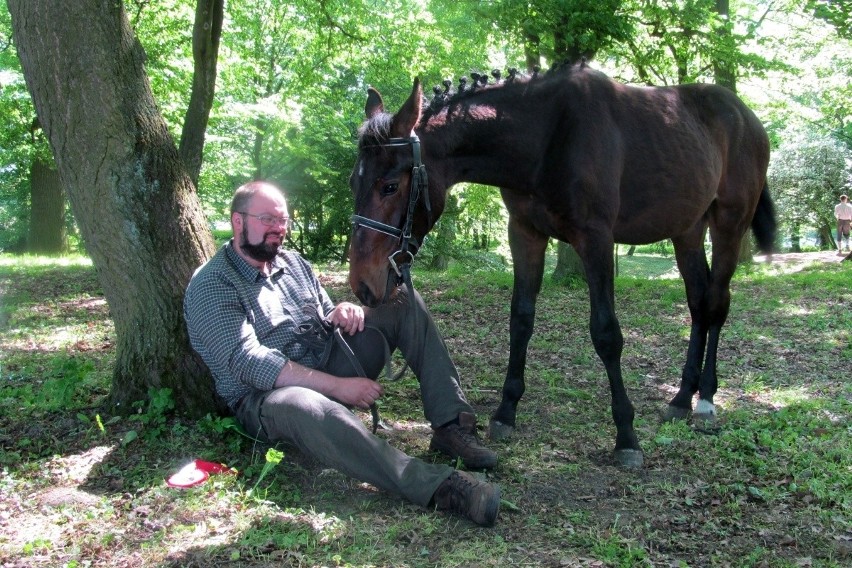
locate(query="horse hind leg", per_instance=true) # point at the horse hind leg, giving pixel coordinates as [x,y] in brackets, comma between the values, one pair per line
[725,257]
[692,263]
[709,299]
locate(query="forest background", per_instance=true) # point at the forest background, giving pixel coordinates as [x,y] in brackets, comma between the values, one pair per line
[146,116]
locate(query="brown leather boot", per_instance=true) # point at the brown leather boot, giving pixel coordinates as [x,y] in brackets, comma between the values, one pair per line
[460,441]
[465,495]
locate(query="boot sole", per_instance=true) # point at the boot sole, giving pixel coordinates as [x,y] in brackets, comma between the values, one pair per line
[492,509]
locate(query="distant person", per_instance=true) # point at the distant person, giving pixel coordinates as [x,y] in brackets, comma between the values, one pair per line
[843,214]
[291,364]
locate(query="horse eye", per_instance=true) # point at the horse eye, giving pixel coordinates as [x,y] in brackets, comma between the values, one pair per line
[389,188]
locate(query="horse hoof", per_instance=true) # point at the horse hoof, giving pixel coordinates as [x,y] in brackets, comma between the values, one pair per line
[672,413]
[498,431]
[705,422]
[632,459]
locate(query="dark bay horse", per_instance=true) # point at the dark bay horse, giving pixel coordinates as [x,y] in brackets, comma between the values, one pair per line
[586,160]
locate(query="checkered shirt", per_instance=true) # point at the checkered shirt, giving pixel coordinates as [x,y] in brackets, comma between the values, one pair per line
[243,322]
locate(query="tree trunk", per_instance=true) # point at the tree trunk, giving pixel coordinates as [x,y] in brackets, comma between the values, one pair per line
[746,250]
[796,237]
[445,234]
[725,70]
[826,236]
[725,74]
[205,53]
[47,210]
[136,207]
[568,264]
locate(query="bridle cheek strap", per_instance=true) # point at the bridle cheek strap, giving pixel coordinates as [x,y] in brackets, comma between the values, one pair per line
[408,246]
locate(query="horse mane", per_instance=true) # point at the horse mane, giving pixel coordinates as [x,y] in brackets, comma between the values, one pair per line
[377,129]
[480,82]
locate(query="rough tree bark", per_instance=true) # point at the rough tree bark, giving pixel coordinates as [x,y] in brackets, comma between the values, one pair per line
[135,204]
[47,210]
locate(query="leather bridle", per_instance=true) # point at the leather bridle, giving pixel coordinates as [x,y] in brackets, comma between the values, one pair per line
[401,259]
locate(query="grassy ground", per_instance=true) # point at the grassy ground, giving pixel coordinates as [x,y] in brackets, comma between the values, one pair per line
[771,487]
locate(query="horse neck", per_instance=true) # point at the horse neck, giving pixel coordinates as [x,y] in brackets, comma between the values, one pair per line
[481,141]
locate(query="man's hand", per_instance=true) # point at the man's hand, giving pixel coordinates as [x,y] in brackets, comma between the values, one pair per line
[348,317]
[356,391]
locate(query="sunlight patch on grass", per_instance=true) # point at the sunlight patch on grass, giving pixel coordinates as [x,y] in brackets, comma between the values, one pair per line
[781,397]
[7,259]
[75,468]
[52,339]
[796,310]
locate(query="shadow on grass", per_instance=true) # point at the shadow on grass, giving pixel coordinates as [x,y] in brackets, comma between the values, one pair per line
[771,484]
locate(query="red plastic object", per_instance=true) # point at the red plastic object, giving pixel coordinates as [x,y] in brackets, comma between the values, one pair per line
[195,473]
[213,468]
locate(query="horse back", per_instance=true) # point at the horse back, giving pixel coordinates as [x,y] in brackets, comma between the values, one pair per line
[686,148]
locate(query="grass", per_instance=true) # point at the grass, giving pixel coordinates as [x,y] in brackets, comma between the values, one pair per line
[773,487]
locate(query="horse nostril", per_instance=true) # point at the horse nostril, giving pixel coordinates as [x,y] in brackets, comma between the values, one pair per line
[366,295]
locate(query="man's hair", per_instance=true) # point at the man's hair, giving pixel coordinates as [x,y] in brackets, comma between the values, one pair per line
[843,198]
[247,191]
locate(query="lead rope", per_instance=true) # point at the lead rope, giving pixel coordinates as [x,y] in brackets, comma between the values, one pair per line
[318,333]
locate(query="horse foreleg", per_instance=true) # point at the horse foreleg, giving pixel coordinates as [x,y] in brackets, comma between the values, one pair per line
[520,330]
[609,343]
[528,249]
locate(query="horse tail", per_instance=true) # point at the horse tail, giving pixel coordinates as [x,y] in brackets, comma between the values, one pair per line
[763,224]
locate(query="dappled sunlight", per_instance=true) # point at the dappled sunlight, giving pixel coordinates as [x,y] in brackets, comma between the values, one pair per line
[7,259]
[75,468]
[71,338]
[277,534]
[795,310]
[753,389]
[781,397]
[792,262]
[44,519]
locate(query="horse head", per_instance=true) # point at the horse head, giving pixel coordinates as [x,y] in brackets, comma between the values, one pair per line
[393,209]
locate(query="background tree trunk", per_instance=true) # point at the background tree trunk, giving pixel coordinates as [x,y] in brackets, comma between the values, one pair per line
[47,210]
[826,237]
[725,74]
[445,234]
[568,264]
[136,207]
[206,33]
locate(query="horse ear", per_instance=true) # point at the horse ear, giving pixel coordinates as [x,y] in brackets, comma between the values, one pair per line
[409,115]
[374,104]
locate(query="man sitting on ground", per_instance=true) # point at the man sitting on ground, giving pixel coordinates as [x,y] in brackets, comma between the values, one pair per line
[264,325]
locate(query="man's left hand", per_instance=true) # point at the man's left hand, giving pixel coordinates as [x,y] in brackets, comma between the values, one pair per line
[348,317]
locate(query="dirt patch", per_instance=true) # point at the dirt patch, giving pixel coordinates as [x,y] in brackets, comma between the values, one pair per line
[795,261]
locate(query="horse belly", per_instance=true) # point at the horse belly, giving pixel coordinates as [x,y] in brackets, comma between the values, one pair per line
[638,225]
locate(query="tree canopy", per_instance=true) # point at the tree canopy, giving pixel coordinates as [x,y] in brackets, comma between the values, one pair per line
[291,79]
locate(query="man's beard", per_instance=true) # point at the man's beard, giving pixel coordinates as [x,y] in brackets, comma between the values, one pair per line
[262,252]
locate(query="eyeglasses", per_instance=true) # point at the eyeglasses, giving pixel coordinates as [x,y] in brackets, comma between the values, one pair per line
[268,220]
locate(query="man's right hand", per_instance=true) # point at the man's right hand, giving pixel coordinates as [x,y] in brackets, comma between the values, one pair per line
[357,391]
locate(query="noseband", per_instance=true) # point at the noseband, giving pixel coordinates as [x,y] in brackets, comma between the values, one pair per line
[408,245]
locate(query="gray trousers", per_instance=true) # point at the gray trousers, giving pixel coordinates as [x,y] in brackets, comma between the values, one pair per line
[330,432]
